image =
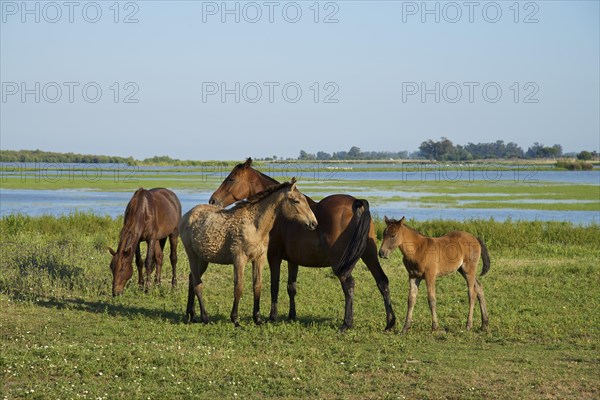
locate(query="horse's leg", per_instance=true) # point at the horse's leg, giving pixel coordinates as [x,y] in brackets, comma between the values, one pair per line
[413,290]
[149,261]
[257,267]
[430,282]
[190,312]
[196,286]
[275,268]
[139,264]
[348,288]
[158,256]
[291,288]
[238,285]
[173,245]
[372,262]
[482,306]
[470,278]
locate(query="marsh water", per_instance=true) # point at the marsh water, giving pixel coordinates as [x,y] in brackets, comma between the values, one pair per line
[63,201]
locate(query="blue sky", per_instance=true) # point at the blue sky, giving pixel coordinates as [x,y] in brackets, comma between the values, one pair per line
[379,75]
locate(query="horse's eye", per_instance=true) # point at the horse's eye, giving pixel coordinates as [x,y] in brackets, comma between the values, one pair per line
[296,201]
[230,179]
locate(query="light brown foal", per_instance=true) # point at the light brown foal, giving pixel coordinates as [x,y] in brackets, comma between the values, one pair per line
[427,258]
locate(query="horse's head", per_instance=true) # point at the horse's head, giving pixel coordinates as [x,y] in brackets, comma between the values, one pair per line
[295,207]
[121,268]
[392,236]
[237,186]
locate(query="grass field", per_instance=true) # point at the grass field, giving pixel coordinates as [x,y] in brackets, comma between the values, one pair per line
[64,336]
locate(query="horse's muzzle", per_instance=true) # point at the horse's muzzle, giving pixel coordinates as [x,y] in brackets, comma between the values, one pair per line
[383,254]
[312,225]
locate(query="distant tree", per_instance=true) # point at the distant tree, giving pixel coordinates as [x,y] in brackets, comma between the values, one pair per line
[354,153]
[321,155]
[306,156]
[436,150]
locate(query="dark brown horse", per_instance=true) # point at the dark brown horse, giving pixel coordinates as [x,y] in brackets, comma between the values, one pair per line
[344,235]
[427,258]
[151,216]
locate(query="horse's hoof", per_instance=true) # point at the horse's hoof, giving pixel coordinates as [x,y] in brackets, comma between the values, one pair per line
[345,327]
[258,321]
[390,325]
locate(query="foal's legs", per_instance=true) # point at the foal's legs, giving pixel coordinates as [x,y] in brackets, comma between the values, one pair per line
[238,285]
[197,269]
[369,257]
[173,245]
[470,278]
[430,282]
[413,290]
[257,267]
[482,306]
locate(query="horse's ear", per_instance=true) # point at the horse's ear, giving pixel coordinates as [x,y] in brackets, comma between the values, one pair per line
[127,251]
[293,182]
[402,220]
[387,220]
[111,251]
[248,163]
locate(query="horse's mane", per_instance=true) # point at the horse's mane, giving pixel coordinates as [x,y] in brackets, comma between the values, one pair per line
[267,177]
[129,220]
[255,198]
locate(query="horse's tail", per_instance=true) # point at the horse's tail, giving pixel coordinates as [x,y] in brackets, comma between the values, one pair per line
[358,243]
[485,256]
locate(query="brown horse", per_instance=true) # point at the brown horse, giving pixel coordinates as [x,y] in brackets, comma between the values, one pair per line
[344,235]
[151,216]
[427,258]
[236,236]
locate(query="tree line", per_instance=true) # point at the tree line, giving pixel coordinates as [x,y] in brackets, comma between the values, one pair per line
[445,150]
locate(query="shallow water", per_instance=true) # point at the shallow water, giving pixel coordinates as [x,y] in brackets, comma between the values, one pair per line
[62,202]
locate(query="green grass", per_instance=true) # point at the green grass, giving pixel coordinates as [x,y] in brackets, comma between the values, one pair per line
[64,336]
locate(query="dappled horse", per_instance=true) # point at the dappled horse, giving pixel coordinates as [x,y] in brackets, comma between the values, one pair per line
[427,258]
[236,236]
[151,216]
[345,234]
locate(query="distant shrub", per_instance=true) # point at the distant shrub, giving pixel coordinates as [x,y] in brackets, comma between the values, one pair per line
[574,165]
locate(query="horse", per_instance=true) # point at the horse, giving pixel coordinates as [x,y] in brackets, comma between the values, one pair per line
[344,235]
[235,236]
[427,258]
[151,216]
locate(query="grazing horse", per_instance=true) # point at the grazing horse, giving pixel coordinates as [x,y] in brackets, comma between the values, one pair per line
[236,236]
[151,216]
[427,258]
[344,235]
